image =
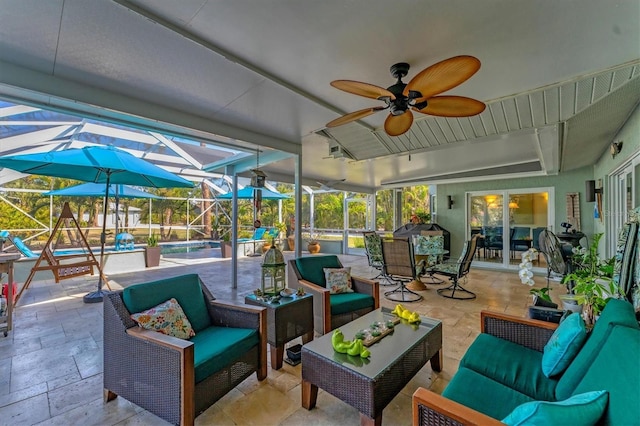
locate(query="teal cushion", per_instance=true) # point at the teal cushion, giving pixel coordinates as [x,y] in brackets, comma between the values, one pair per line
[482,394]
[579,410]
[311,268]
[216,347]
[185,289]
[348,302]
[616,368]
[564,345]
[615,312]
[511,364]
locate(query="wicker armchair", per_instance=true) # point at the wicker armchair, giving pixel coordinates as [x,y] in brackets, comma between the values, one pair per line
[158,372]
[328,309]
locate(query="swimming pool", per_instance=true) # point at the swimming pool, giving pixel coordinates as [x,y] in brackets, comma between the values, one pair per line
[187,247]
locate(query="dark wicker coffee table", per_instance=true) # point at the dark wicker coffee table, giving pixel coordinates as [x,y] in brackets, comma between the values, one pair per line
[291,317]
[369,385]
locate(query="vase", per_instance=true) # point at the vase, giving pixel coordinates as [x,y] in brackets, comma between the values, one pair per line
[313,247]
[152,256]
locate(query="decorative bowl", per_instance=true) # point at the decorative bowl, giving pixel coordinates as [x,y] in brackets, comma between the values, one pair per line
[287,292]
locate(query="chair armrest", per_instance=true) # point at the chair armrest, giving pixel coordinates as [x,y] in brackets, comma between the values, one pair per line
[531,333]
[154,368]
[429,408]
[228,314]
[321,305]
[367,286]
[159,338]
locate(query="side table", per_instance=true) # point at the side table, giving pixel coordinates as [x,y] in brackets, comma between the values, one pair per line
[287,319]
[6,267]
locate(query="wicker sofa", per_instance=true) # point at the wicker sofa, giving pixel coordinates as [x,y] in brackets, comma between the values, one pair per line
[173,378]
[332,310]
[502,370]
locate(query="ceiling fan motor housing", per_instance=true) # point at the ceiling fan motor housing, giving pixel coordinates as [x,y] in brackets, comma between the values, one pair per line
[401,103]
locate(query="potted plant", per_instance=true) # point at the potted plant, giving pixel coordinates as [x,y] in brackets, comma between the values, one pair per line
[591,282]
[313,245]
[422,216]
[152,251]
[226,249]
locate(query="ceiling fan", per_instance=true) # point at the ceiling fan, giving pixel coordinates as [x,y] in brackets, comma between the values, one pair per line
[419,94]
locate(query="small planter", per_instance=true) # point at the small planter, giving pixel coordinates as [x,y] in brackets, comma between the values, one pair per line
[570,303]
[226,249]
[291,242]
[152,256]
[313,247]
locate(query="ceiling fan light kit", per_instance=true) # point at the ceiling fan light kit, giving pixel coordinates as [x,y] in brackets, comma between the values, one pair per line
[418,95]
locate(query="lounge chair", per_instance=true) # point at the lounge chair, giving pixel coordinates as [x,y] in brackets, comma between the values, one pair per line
[20,245]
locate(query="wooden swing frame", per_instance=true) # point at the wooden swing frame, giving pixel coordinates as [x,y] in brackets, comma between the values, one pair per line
[60,266]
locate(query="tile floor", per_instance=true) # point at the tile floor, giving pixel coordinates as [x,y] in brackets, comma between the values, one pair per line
[51,363]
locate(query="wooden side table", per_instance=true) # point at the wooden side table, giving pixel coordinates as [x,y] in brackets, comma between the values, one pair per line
[287,319]
[6,267]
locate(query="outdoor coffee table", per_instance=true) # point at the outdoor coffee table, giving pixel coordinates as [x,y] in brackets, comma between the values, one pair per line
[370,384]
[287,319]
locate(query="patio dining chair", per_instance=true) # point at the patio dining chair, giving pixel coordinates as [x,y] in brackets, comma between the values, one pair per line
[400,266]
[429,251]
[457,271]
[373,249]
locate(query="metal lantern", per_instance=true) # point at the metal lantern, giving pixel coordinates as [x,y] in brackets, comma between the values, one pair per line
[273,272]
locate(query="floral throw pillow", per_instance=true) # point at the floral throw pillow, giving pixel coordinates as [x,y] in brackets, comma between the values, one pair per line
[338,280]
[167,318]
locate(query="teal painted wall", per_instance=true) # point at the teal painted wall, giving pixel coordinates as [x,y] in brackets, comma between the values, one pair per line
[630,135]
[574,181]
[454,220]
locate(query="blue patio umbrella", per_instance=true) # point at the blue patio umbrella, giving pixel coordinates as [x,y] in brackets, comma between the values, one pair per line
[91,189]
[247,193]
[100,164]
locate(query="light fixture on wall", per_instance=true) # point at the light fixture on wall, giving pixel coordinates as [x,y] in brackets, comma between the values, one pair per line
[450,201]
[615,148]
[591,191]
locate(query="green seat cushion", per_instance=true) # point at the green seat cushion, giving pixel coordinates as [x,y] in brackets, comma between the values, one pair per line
[615,312]
[216,347]
[564,345]
[584,409]
[311,268]
[342,303]
[616,369]
[185,289]
[487,396]
[513,365]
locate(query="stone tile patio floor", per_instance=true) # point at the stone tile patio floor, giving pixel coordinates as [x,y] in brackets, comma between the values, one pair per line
[51,363]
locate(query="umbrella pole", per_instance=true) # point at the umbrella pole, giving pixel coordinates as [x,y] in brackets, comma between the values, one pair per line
[97,296]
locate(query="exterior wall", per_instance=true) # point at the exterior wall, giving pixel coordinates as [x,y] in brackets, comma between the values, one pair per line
[630,135]
[454,220]
[573,181]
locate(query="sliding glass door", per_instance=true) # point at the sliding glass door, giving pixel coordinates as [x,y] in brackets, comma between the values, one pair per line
[507,223]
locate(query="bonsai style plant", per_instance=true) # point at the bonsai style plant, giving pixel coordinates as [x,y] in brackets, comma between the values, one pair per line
[591,280]
[312,244]
[152,251]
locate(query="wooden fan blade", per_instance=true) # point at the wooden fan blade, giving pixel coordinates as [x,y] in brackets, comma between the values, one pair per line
[443,76]
[452,106]
[353,116]
[363,89]
[395,125]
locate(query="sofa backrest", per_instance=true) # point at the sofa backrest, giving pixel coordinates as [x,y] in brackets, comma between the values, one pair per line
[616,312]
[616,369]
[311,267]
[186,289]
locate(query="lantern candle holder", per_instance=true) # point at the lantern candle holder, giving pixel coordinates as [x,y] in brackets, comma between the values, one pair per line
[273,272]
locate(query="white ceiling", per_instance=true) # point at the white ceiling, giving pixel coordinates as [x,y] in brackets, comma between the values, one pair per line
[559,77]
